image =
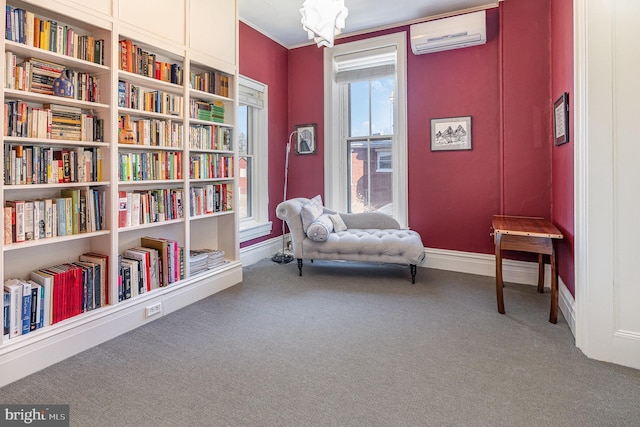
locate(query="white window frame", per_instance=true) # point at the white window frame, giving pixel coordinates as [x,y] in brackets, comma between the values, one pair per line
[335,191]
[258,224]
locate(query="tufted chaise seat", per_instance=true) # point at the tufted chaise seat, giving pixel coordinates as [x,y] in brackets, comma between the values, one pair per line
[370,237]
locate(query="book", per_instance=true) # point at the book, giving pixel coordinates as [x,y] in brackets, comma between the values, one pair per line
[9,224]
[123,211]
[101,297]
[73,196]
[6,307]
[162,246]
[14,289]
[45,280]
[18,224]
[26,307]
[143,257]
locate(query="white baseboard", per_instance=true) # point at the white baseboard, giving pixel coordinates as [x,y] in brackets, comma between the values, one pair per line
[512,271]
[265,249]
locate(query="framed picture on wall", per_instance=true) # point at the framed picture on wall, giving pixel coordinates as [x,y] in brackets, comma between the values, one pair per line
[452,133]
[561,120]
[306,139]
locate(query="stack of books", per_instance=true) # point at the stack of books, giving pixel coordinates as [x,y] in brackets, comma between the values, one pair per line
[205,259]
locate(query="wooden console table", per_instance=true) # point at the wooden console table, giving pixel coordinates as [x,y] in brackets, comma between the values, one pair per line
[527,234]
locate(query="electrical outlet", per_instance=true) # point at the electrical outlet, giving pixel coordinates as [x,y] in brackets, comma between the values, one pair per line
[152,310]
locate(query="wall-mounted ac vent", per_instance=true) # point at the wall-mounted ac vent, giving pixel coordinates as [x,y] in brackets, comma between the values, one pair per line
[449,33]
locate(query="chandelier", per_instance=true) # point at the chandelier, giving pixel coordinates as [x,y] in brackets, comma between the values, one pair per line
[323,20]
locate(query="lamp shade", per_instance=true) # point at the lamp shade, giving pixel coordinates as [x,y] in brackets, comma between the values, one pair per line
[323,20]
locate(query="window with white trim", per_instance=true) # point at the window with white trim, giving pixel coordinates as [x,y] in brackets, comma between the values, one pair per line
[366,126]
[253,202]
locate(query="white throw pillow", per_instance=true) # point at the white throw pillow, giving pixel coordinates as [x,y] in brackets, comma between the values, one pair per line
[311,211]
[320,229]
[338,223]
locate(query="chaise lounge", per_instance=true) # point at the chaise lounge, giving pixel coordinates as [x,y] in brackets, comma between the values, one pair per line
[321,233]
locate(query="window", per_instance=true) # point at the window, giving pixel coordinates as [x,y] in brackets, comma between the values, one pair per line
[366,143]
[252,131]
[369,107]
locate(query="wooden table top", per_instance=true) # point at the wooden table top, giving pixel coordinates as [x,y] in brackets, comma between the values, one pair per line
[525,226]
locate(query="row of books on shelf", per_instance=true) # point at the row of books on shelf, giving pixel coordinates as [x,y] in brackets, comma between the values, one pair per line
[147,166]
[154,132]
[214,82]
[205,259]
[136,60]
[75,211]
[208,111]
[155,101]
[210,137]
[23,26]
[51,121]
[38,76]
[54,293]
[210,198]
[51,165]
[210,165]
[157,262]
[149,206]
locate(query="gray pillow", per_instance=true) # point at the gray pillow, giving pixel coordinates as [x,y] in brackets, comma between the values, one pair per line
[311,211]
[320,229]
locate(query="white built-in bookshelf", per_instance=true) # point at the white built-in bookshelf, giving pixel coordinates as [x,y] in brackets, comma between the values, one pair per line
[143,156]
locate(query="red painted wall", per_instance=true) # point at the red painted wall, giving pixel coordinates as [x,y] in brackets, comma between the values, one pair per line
[562,202]
[504,85]
[452,195]
[306,105]
[267,62]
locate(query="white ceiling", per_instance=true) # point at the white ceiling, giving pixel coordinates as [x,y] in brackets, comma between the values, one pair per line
[280,19]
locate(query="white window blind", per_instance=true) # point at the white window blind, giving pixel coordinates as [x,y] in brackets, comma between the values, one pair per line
[365,65]
[251,94]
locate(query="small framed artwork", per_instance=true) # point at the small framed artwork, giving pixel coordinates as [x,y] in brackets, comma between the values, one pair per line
[306,139]
[561,119]
[452,133]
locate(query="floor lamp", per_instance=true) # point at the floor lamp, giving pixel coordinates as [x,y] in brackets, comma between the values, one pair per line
[282,257]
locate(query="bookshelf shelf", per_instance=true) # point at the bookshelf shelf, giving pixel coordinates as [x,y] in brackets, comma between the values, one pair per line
[149,82]
[26,51]
[208,123]
[150,114]
[52,240]
[151,183]
[53,142]
[45,99]
[151,225]
[206,96]
[91,131]
[28,187]
[132,147]
[211,215]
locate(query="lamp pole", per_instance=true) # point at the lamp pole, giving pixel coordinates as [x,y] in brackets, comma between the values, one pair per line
[282,257]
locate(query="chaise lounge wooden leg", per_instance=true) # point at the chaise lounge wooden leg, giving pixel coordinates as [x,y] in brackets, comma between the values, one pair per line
[300,266]
[414,270]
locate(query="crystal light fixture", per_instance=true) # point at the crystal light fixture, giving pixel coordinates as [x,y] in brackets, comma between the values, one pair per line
[323,20]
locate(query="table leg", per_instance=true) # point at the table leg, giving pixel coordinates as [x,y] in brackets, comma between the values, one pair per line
[540,273]
[553,315]
[499,283]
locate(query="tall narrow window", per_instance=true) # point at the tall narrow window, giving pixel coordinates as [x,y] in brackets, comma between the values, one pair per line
[365,147]
[252,159]
[369,144]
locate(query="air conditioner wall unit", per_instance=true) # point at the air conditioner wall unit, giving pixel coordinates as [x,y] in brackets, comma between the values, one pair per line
[449,33]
